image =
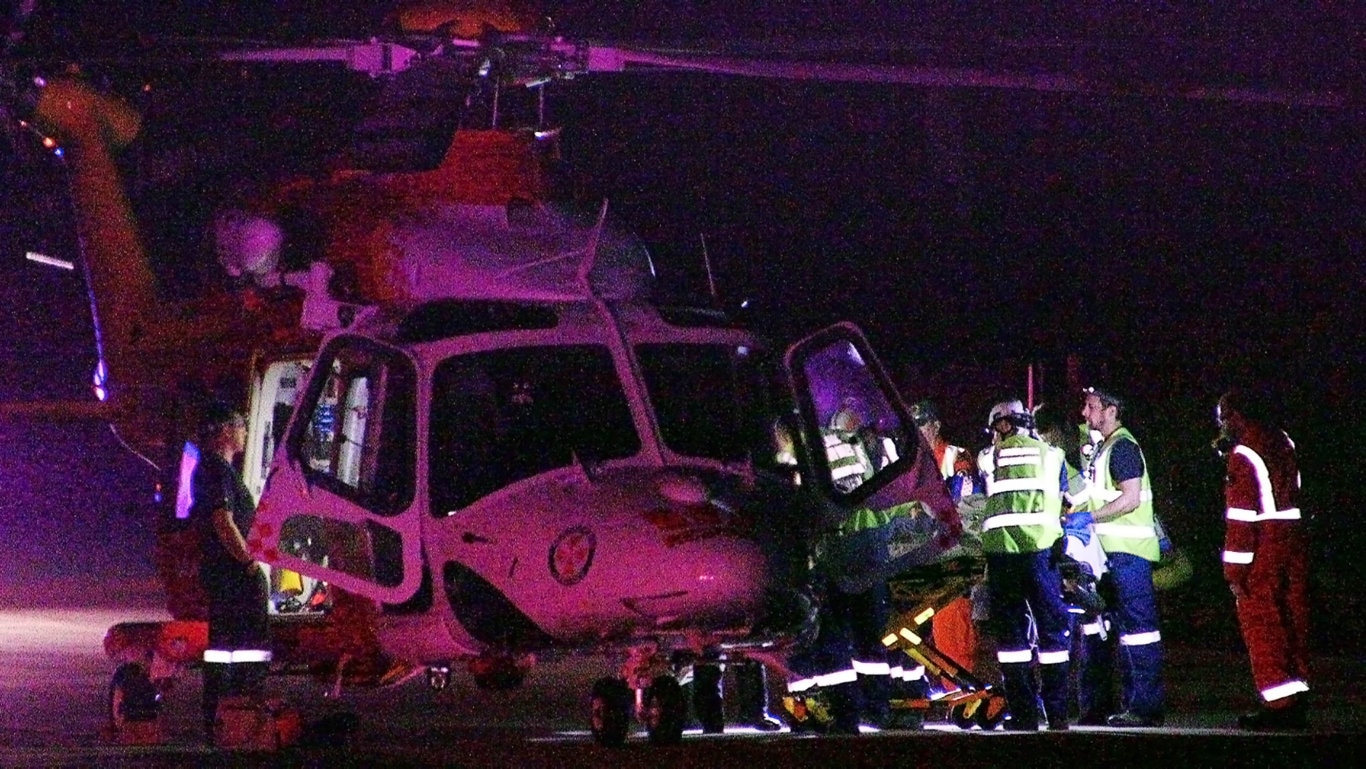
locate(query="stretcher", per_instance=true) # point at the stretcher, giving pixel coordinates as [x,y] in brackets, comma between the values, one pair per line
[922,579]
[916,595]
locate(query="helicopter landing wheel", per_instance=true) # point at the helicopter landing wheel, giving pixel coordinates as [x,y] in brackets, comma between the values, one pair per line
[610,711]
[134,699]
[664,711]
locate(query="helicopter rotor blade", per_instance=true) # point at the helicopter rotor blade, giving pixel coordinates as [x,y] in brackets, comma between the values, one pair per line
[533,60]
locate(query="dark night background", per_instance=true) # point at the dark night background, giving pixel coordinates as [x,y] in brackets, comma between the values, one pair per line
[1170,247]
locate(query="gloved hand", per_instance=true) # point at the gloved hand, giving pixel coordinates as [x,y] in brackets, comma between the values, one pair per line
[1235,574]
[1079,525]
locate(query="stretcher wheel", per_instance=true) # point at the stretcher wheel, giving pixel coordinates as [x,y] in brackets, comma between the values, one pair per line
[963,715]
[990,712]
[610,711]
[664,711]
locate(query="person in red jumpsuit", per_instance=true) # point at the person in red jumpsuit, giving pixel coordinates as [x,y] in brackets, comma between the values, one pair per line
[1266,559]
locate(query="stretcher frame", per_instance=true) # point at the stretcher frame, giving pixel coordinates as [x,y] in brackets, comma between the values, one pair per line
[916,595]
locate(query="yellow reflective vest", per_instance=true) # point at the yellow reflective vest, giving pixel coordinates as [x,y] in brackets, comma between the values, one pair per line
[1024,501]
[1134,532]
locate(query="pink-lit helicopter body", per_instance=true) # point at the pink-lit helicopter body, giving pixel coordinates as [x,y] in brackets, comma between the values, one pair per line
[473,434]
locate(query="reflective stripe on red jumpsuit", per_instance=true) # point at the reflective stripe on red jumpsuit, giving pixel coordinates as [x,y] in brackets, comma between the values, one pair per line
[1266,561]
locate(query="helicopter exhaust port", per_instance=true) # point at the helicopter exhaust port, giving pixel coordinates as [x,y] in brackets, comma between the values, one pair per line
[438,677]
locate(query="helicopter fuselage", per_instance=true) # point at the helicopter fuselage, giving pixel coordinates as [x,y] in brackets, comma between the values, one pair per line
[569,470]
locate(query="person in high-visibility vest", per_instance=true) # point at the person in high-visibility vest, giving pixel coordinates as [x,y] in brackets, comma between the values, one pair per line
[955,462]
[1122,508]
[1266,561]
[847,662]
[238,654]
[1023,523]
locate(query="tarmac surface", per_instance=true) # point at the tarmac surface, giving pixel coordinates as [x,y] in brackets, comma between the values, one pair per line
[54,681]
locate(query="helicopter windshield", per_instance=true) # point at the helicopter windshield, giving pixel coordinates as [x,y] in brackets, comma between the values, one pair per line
[503,415]
[710,399]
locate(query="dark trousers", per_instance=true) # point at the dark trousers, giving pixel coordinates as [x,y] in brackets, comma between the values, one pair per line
[1140,645]
[1026,592]
[851,626]
[238,622]
[1093,662]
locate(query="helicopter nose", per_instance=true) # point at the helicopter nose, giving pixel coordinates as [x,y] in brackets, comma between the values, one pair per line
[731,569]
[716,579]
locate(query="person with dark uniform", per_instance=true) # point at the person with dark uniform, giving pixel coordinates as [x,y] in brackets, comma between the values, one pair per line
[222,510]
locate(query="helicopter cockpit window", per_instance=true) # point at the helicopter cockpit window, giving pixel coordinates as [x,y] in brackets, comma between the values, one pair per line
[501,416]
[861,432]
[358,439]
[710,399]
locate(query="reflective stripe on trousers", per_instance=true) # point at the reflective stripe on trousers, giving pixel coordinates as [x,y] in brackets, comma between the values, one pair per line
[233,656]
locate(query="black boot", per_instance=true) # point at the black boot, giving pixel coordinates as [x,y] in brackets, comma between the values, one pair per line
[845,702]
[751,693]
[1053,681]
[905,693]
[1293,717]
[1021,697]
[706,698]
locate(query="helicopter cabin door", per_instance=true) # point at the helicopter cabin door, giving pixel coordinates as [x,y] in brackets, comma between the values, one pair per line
[864,454]
[339,503]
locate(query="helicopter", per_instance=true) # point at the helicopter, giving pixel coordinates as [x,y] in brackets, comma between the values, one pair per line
[473,434]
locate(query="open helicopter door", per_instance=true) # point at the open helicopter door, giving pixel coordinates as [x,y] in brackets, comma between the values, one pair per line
[864,451]
[339,503]
[275,386]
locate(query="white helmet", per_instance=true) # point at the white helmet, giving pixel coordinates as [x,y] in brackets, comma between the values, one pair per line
[1012,410]
[1004,409]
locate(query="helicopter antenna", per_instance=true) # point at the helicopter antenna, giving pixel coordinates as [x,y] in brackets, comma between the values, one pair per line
[131,450]
[590,256]
[706,262]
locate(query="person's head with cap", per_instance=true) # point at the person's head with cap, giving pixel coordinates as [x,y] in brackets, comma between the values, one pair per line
[1055,428]
[1103,409]
[222,429]
[1007,418]
[848,418]
[927,420]
[1240,408]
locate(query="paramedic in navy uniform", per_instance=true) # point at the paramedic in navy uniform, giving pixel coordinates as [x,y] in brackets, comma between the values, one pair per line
[238,652]
[1122,507]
